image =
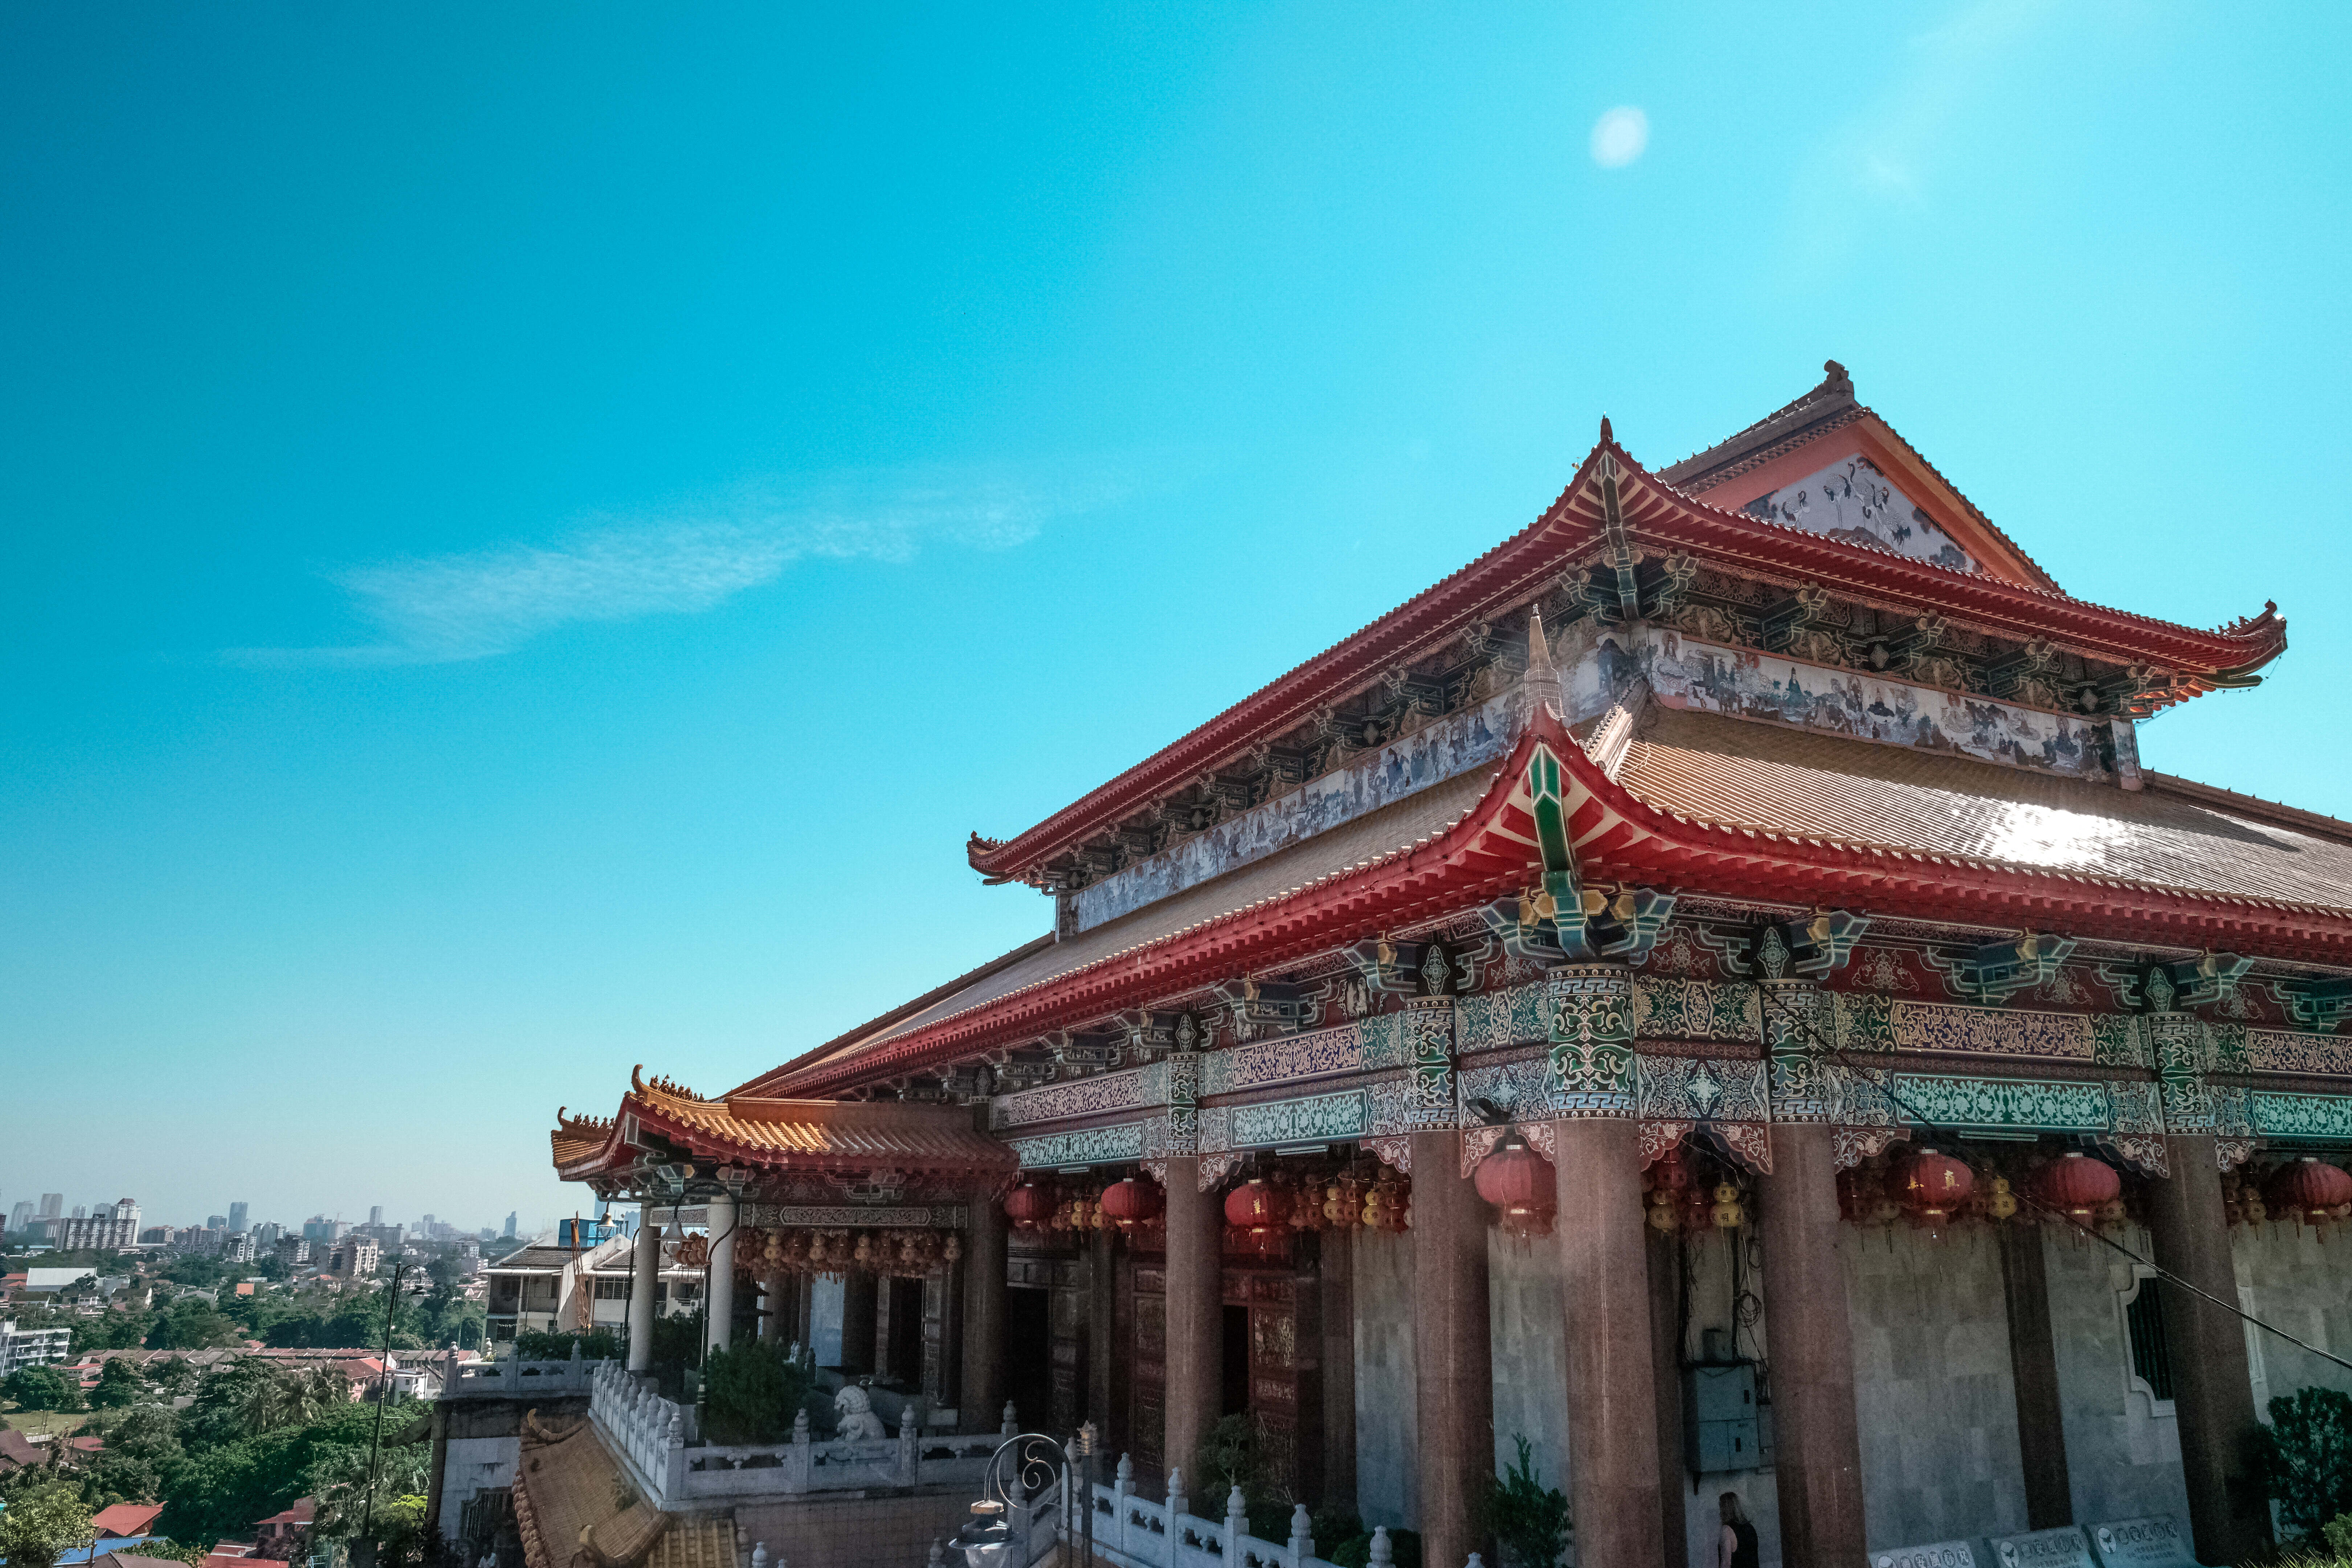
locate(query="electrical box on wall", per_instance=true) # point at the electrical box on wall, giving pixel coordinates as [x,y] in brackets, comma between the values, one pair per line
[1724,1428]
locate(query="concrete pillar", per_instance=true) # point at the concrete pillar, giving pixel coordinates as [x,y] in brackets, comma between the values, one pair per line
[645,1284]
[1196,1352]
[2034,1368]
[435,1484]
[1816,1436]
[722,1323]
[1666,1349]
[1337,1286]
[982,1397]
[2212,1389]
[861,1311]
[1452,1363]
[1613,1399]
[1102,1273]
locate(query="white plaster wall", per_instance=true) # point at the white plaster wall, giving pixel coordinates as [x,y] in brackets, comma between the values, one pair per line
[472,1465]
[2288,1276]
[1934,1394]
[2122,1457]
[1526,1318]
[1387,1491]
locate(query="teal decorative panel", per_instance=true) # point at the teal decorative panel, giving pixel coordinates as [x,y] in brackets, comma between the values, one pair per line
[2039,1104]
[1514,1015]
[1093,1146]
[1694,1010]
[1321,1118]
[2303,1115]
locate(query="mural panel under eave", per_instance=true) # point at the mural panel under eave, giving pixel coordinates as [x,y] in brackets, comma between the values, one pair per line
[1855,500]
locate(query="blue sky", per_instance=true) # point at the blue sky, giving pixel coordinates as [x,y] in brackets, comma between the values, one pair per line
[533,533]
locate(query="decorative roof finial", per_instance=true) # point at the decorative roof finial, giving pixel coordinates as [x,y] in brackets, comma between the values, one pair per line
[1606,434]
[1538,650]
[1835,376]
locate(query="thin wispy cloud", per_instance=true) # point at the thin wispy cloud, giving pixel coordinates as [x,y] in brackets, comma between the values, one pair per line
[439,609]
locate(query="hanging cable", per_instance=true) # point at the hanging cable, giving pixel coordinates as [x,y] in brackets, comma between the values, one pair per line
[1878,1081]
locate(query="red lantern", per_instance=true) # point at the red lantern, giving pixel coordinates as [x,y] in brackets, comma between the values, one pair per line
[1131,1202]
[1030,1207]
[1254,1204]
[2307,1189]
[1519,1182]
[2077,1186]
[1935,1187]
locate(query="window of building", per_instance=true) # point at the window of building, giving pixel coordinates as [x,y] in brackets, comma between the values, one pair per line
[612,1290]
[2148,1348]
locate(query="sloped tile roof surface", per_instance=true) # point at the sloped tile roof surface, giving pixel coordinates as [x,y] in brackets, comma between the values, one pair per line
[1379,833]
[916,1135]
[1739,773]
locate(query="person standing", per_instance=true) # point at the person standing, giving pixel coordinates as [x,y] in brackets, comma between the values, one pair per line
[1737,1547]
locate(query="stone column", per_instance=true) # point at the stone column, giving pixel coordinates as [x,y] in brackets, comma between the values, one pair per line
[645,1284]
[1195,1353]
[1665,1272]
[1816,1436]
[436,1485]
[775,1310]
[1102,1274]
[2212,1387]
[861,1308]
[982,1397]
[721,1324]
[1338,1285]
[2033,1367]
[1453,1365]
[1613,1394]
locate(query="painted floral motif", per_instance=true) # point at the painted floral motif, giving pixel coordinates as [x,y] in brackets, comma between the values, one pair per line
[1091,1096]
[1592,1031]
[1698,1088]
[1317,1054]
[2135,1122]
[1797,1020]
[1853,499]
[2278,1050]
[1429,1088]
[1985,1031]
[1866,1022]
[1090,1146]
[1878,969]
[1694,1010]
[2116,1041]
[2303,1115]
[1678,953]
[1495,1019]
[2049,1107]
[2178,1041]
[1321,1118]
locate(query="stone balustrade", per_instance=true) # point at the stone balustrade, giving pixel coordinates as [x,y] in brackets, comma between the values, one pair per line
[655,1440]
[513,1379]
[1134,1532]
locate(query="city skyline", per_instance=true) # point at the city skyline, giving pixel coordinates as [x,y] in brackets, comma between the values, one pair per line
[500,704]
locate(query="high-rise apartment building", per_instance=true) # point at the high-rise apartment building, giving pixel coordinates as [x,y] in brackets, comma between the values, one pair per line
[236,1216]
[53,1205]
[511,1227]
[217,1222]
[375,1214]
[21,1215]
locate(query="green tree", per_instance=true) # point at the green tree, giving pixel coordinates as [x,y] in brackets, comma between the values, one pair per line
[1528,1519]
[117,1386]
[2307,1448]
[194,1325]
[36,1530]
[115,1331]
[43,1388]
[753,1390]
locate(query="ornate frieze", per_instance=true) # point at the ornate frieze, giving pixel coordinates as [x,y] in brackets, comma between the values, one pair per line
[1286,1060]
[1087,1146]
[1592,1038]
[1798,1019]
[1316,1119]
[785,1217]
[2177,1042]
[2040,1104]
[2135,1125]
[1695,1010]
[1729,1097]
[1429,1079]
[1512,1015]
[2302,1115]
[1098,1095]
[2316,1056]
[1871,1023]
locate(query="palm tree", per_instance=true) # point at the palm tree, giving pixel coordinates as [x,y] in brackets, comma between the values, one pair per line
[317,1392]
[265,1404]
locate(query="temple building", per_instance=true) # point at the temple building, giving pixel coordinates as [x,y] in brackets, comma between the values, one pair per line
[1710,987]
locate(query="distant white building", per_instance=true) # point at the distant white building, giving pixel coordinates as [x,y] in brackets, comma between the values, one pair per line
[21,1348]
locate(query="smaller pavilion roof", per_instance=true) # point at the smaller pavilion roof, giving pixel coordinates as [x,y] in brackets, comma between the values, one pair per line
[790,1134]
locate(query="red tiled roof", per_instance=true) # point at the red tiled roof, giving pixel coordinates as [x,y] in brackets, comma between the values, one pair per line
[1665,520]
[797,1134]
[15,1448]
[126,1518]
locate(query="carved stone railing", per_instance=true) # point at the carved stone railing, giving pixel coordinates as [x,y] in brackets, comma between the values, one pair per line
[1135,1533]
[652,1437]
[514,1379]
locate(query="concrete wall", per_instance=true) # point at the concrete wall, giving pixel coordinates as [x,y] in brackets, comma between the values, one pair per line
[1387,1489]
[1933,1387]
[1529,1328]
[2123,1454]
[856,1532]
[2287,1275]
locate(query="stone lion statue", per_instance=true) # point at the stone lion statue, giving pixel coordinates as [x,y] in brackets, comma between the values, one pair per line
[855,1419]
